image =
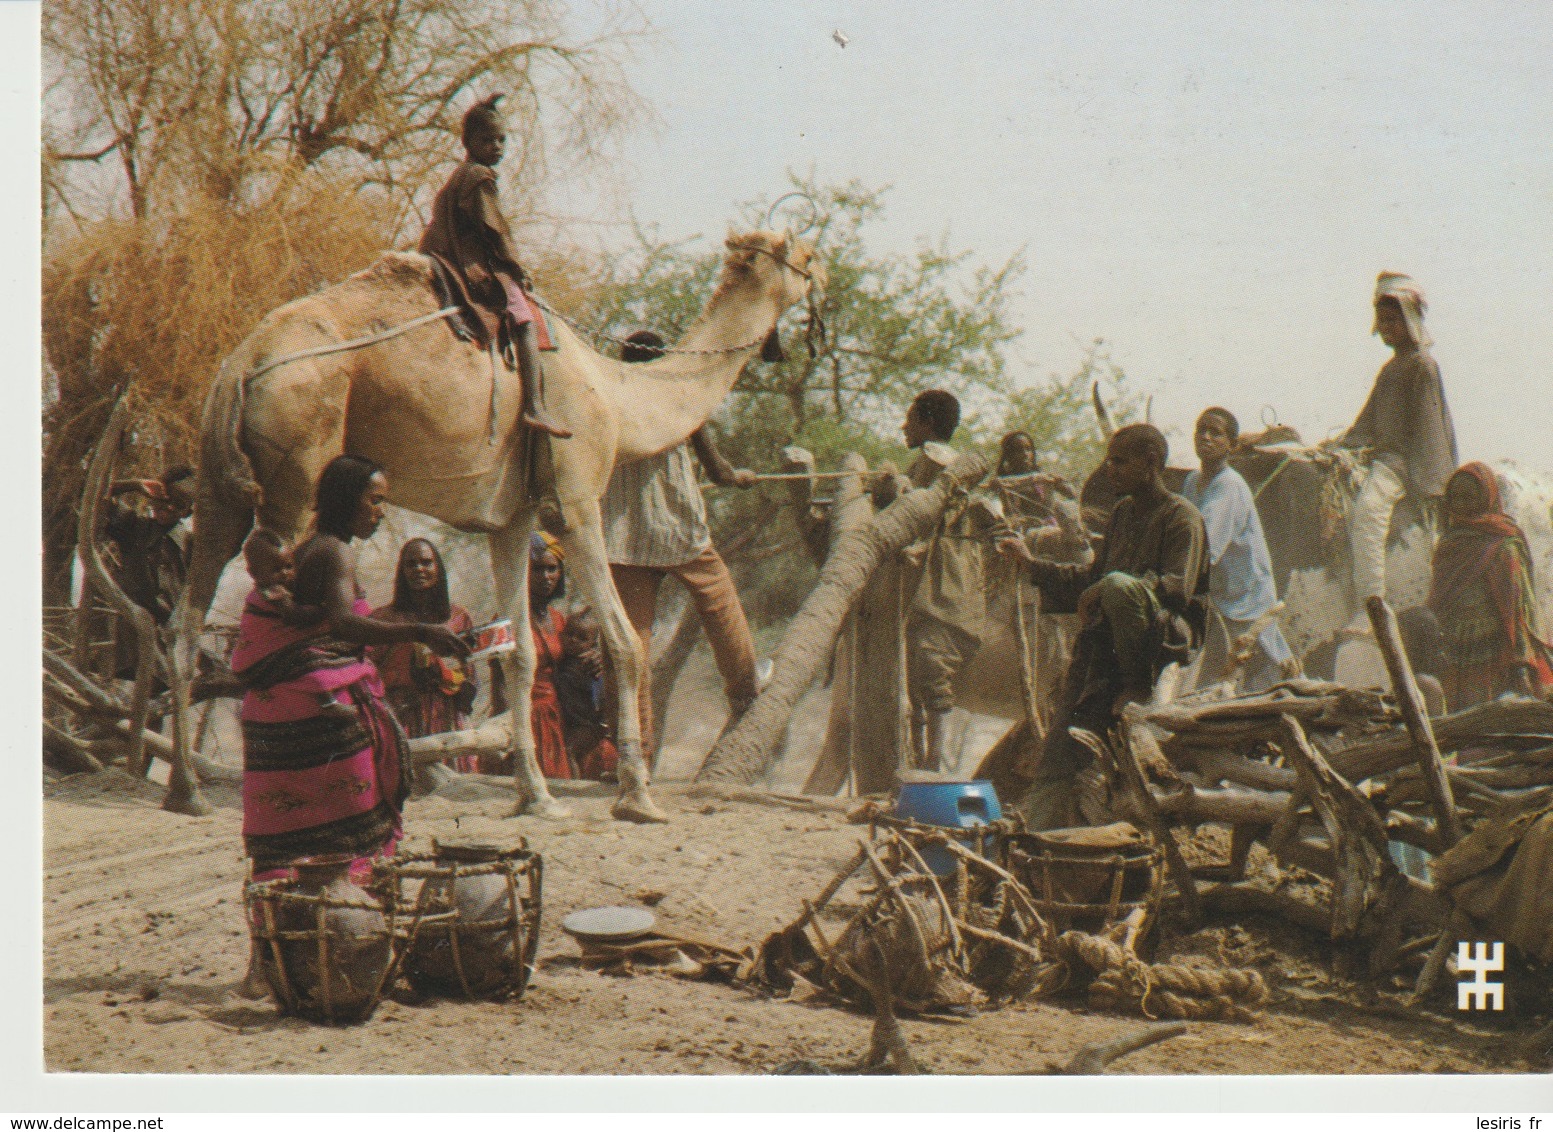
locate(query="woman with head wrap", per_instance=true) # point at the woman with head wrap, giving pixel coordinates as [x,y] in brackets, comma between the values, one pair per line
[1482,596]
[430,694]
[546,584]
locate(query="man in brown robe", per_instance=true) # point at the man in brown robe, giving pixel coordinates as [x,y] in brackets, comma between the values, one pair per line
[945,616]
[1407,427]
[1140,603]
[470,235]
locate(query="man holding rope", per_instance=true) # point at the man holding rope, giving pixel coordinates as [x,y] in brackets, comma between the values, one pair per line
[655,525]
[945,616]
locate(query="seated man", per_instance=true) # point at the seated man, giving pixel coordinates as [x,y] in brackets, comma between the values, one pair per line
[1140,603]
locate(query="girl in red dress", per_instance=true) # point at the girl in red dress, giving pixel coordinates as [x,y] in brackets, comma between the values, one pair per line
[546,585]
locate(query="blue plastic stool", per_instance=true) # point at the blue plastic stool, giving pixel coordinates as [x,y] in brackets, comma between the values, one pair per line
[951,805]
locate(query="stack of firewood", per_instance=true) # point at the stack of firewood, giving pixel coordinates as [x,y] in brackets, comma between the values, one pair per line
[1332,781]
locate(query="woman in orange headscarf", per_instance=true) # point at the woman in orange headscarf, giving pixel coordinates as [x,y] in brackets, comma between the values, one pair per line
[1483,597]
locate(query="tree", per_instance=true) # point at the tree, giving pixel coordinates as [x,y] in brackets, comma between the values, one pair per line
[206,161]
[229,99]
[894,325]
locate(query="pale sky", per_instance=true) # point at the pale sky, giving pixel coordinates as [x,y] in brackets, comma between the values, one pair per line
[1210,187]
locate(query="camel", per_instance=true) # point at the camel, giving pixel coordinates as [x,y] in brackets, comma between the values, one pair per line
[441,416]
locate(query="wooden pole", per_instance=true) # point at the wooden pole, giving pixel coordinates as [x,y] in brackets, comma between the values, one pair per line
[1411,700]
[745,752]
[99,580]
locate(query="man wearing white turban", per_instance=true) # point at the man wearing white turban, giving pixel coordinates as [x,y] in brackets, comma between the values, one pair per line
[1407,428]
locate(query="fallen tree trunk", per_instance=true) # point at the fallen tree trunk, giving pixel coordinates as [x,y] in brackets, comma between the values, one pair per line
[744,753]
[837,759]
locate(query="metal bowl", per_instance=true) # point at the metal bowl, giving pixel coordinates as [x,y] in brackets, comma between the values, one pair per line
[609,925]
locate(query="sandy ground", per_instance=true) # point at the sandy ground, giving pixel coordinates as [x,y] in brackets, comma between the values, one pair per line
[144,947]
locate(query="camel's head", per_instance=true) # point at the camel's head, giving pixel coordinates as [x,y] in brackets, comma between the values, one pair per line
[776,260]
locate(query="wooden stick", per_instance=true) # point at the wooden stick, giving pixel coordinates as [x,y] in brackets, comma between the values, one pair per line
[1389,638]
[1091,1060]
[89,546]
[781,477]
[1455,927]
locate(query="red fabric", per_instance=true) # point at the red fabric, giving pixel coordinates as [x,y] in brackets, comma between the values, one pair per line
[523,309]
[1489,549]
[285,801]
[549,734]
[599,761]
[407,670]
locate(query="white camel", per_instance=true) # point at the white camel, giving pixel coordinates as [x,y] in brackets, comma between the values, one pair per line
[442,420]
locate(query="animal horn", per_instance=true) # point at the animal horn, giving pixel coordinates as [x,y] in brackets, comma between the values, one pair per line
[1148,410]
[1107,429]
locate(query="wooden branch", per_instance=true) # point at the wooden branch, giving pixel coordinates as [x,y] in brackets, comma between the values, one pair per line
[1416,716]
[1372,756]
[1122,761]
[1196,804]
[89,546]
[82,685]
[494,735]
[1093,1059]
[70,749]
[1240,899]
[1216,765]
[1457,926]
[743,753]
[1366,883]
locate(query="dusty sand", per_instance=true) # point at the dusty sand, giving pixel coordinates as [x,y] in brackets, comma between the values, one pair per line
[144,947]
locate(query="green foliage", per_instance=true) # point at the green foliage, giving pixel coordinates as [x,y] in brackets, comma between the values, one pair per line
[1059,414]
[896,325]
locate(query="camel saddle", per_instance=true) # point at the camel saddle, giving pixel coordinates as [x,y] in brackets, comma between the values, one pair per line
[475,322]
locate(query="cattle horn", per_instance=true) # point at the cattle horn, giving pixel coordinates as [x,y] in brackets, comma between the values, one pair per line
[1107,429]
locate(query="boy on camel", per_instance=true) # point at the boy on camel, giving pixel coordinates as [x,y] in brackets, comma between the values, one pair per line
[469,234]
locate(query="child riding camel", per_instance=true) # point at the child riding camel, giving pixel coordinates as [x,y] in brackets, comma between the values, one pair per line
[469,234]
